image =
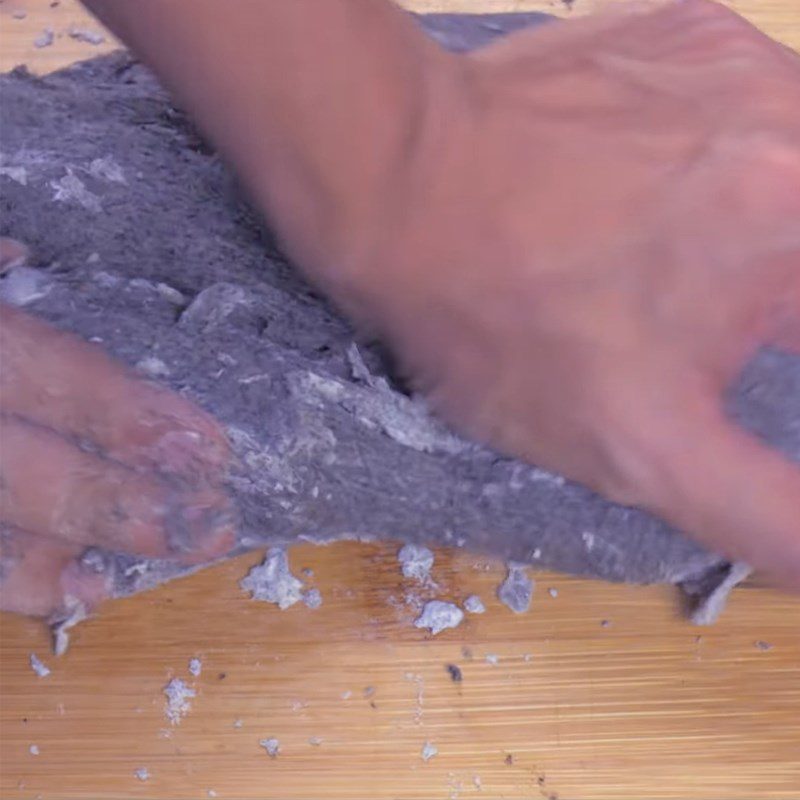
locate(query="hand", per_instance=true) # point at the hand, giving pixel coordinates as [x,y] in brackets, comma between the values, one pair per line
[597,226]
[91,455]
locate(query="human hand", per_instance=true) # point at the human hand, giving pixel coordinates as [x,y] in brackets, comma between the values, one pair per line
[91,455]
[597,225]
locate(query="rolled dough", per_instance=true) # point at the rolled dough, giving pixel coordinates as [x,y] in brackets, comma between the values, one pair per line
[143,243]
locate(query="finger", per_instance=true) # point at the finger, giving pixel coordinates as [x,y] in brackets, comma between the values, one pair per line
[37,574]
[52,488]
[732,492]
[58,380]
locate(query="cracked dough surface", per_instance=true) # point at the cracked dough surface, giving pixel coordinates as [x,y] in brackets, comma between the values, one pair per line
[143,242]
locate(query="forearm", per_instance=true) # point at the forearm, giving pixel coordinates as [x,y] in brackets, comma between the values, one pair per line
[313,103]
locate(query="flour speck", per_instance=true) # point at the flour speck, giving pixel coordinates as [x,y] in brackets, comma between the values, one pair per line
[38,666]
[474,605]
[272,746]
[178,702]
[429,751]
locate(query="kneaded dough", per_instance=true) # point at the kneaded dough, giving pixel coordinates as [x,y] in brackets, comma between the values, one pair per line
[144,243]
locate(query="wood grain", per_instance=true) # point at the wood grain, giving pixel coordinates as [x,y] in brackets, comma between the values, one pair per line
[647,707]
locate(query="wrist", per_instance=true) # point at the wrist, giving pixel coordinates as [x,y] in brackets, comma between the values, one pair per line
[359,253]
[336,206]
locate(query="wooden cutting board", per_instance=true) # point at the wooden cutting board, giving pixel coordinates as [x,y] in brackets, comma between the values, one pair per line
[600,691]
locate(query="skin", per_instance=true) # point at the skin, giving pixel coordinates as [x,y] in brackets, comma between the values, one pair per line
[573,239]
[93,456]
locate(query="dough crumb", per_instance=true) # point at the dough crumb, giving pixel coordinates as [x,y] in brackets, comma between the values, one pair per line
[346,695]
[272,581]
[429,751]
[516,590]
[552,592]
[237,723]
[492,659]
[707,600]
[178,702]
[60,626]
[152,367]
[87,36]
[415,561]
[438,616]
[474,605]
[272,746]
[45,38]
[312,598]
[315,741]
[34,750]
[195,667]
[171,294]
[108,169]
[38,666]
[71,189]
[358,368]
[142,774]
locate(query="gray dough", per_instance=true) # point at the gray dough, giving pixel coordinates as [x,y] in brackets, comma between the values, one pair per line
[143,243]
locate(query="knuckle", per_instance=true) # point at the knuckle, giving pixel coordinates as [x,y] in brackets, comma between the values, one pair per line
[724,34]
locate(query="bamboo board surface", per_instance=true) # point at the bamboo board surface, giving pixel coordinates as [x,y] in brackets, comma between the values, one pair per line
[639,708]
[646,707]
